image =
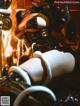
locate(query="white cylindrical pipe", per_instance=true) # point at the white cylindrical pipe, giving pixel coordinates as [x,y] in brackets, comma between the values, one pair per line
[56,62]
[59,62]
[34,68]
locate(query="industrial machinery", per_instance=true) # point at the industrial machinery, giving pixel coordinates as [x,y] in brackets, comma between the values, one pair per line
[40,56]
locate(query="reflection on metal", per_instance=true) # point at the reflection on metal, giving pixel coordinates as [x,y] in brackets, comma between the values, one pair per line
[0,47]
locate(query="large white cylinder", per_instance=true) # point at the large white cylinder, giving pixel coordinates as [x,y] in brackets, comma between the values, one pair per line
[56,62]
[34,68]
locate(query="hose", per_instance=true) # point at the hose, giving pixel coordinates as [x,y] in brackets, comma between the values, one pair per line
[22,73]
[33,89]
[46,66]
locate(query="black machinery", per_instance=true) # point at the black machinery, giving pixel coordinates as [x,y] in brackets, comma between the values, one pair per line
[42,32]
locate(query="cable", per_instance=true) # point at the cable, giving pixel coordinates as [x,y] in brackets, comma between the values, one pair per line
[46,65]
[33,89]
[22,73]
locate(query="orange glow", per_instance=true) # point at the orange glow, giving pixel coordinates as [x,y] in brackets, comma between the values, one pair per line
[6,42]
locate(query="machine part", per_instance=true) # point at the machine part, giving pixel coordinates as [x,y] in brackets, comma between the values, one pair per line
[45,64]
[33,89]
[6,20]
[25,20]
[4,4]
[35,29]
[55,62]
[37,25]
[7,23]
[11,87]
[22,73]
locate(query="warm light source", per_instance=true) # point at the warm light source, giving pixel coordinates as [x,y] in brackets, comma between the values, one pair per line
[7,46]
